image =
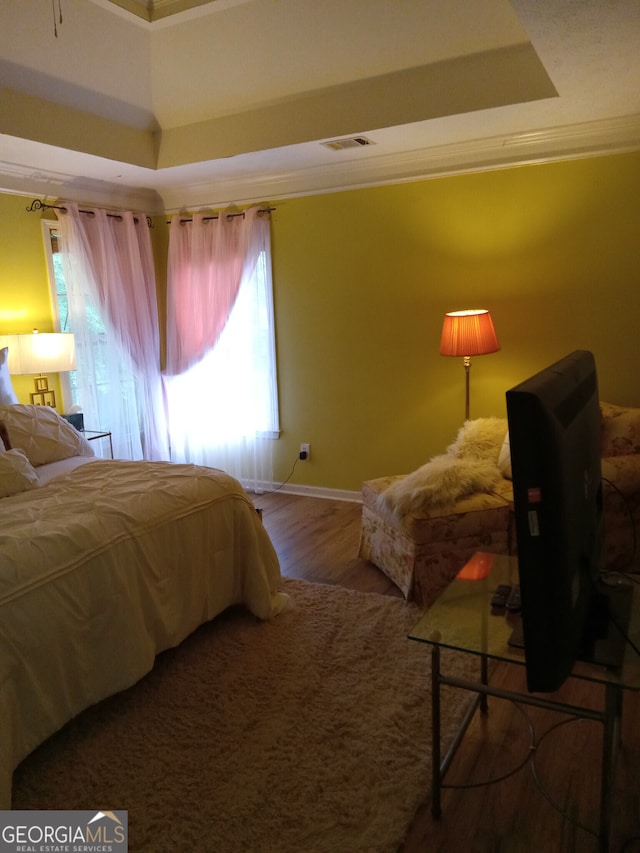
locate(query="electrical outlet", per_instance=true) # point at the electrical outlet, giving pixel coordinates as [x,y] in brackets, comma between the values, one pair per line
[305,451]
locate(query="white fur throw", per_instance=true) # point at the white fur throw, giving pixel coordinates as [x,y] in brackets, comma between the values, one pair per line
[469,465]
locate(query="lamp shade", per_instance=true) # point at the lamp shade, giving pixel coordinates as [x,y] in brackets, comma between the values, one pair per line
[466,333]
[53,352]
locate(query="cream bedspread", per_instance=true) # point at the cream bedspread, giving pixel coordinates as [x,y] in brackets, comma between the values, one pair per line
[103,568]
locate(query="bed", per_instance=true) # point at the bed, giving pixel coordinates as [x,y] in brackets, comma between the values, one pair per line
[104,564]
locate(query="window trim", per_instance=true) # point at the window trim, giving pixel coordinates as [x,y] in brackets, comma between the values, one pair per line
[48,226]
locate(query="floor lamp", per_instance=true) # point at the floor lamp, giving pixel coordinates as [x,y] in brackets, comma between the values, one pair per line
[467,333]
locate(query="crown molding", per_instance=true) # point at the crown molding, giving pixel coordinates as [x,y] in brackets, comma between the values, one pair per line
[591,139]
[610,136]
[50,186]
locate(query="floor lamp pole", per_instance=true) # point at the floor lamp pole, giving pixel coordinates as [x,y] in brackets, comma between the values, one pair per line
[467,370]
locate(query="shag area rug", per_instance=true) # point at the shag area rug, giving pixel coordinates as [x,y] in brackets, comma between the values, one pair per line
[307,733]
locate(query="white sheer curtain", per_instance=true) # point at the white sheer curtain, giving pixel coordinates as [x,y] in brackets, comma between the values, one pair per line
[108,270]
[220,381]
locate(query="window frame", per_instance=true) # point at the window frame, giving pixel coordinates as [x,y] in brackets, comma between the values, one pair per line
[48,227]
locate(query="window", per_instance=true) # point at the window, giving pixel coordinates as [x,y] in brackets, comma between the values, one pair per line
[91,386]
[223,411]
[58,293]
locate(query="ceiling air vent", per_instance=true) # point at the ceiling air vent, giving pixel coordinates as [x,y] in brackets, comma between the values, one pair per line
[351,142]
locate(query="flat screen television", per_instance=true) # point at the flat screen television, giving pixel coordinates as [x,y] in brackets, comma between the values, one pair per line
[554,432]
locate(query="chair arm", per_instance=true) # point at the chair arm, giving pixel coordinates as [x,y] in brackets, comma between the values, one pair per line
[620,430]
[623,472]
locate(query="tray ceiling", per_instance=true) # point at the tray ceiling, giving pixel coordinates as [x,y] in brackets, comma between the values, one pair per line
[171,102]
[155,10]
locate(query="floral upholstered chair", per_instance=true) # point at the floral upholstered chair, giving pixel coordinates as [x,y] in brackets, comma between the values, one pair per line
[422,549]
[421,528]
[621,474]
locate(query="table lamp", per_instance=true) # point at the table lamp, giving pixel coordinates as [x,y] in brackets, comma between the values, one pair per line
[51,352]
[467,333]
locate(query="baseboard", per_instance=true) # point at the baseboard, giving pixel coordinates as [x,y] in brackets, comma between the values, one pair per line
[317,492]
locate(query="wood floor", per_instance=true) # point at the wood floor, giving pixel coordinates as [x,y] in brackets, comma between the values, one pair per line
[317,540]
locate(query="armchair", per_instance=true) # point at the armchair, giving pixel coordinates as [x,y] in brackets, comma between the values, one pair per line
[422,548]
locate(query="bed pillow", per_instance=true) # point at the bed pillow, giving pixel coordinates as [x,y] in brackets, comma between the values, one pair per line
[7,394]
[16,474]
[43,434]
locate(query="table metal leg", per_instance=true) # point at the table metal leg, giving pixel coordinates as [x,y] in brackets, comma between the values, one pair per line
[436,777]
[610,717]
[610,742]
[484,679]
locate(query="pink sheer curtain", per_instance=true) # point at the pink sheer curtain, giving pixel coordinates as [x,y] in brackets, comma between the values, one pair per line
[220,382]
[208,258]
[109,264]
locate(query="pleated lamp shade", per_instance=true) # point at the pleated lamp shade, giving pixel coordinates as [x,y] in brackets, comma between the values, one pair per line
[468,333]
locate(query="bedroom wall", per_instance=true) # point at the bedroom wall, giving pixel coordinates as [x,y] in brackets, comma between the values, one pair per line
[363,278]
[25,303]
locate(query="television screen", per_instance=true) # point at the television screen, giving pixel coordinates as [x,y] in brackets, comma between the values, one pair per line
[554,432]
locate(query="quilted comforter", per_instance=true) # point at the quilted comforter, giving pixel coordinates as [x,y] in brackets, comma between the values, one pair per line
[104,567]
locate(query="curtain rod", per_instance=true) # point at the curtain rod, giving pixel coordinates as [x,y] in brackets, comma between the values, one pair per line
[36,204]
[228,215]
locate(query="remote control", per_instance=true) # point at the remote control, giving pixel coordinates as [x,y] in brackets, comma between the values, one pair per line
[500,596]
[514,603]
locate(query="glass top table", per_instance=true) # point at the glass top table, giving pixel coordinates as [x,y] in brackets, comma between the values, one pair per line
[461,619]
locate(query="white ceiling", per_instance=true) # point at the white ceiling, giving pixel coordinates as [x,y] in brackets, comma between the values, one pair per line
[187,103]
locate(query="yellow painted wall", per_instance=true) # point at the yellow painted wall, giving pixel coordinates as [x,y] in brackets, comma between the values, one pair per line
[25,303]
[363,278]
